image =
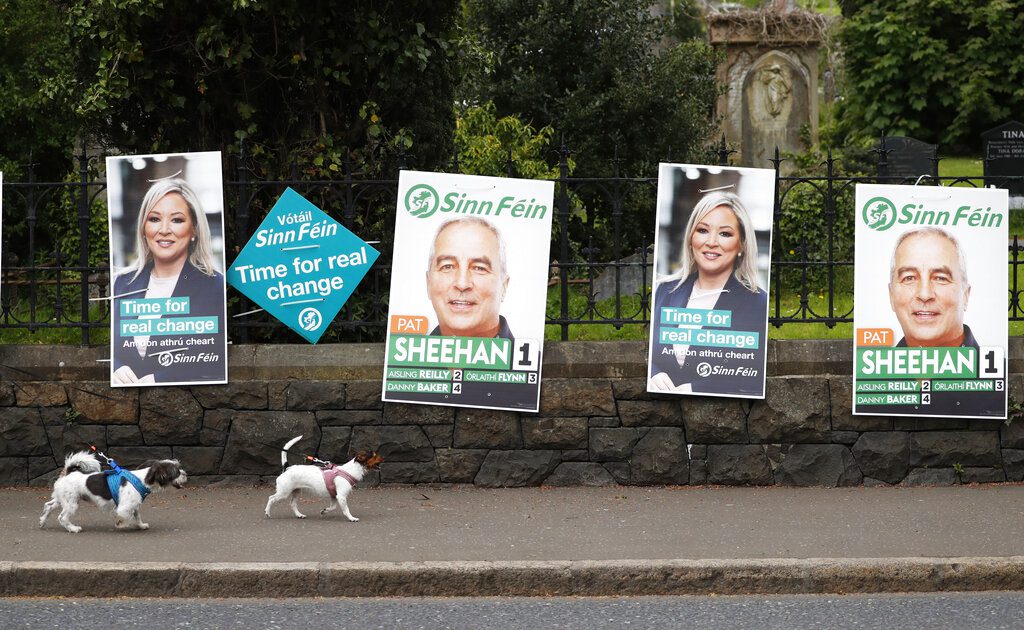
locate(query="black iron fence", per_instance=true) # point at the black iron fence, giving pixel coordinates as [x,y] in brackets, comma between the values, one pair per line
[55,273]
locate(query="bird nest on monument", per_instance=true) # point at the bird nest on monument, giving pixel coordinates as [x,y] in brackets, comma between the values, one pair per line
[769,26]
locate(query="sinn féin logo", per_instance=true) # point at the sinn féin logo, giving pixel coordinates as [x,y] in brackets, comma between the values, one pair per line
[310,319]
[422,201]
[879,214]
[704,370]
[165,359]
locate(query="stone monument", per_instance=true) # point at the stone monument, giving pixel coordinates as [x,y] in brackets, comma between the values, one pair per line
[771,74]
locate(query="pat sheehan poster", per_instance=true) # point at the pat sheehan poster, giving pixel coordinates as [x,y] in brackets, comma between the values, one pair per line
[468,291]
[167,270]
[930,309]
[712,254]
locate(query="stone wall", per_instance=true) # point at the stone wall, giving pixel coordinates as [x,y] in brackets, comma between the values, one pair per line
[597,425]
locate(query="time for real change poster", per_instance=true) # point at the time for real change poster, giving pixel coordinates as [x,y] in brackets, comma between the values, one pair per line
[468,291]
[930,309]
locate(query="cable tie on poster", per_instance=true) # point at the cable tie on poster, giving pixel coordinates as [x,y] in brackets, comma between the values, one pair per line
[166,177]
[102,360]
[115,297]
[302,302]
[255,310]
[171,351]
[707,190]
[288,249]
[473,188]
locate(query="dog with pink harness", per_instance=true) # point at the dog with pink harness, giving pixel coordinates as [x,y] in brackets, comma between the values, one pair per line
[324,480]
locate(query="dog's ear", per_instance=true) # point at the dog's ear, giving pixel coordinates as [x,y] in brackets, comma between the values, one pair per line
[362,457]
[162,473]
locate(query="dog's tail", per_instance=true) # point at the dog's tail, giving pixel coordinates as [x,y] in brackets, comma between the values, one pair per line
[82,461]
[284,451]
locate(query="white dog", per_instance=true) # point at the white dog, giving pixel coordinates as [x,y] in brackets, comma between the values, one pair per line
[82,479]
[332,483]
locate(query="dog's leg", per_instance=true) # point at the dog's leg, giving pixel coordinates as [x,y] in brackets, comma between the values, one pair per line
[330,507]
[138,520]
[295,506]
[124,516]
[271,501]
[66,512]
[52,503]
[344,509]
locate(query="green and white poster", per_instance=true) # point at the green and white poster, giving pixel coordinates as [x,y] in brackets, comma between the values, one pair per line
[468,291]
[930,310]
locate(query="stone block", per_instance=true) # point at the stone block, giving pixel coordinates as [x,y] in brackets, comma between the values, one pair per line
[7,396]
[409,472]
[400,413]
[1013,464]
[712,420]
[169,415]
[363,395]
[335,417]
[875,483]
[795,410]
[982,475]
[22,433]
[198,460]
[906,423]
[71,438]
[561,433]
[576,397]
[1012,435]
[124,435]
[650,413]
[315,395]
[883,455]
[487,428]
[455,465]
[53,416]
[277,394]
[610,445]
[42,466]
[985,424]
[136,456]
[944,476]
[235,395]
[256,437]
[698,451]
[660,457]
[849,438]
[405,443]
[511,469]
[698,472]
[41,394]
[631,389]
[99,402]
[440,435]
[13,471]
[619,471]
[828,465]
[603,421]
[738,465]
[334,444]
[576,455]
[580,474]
[946,448]
[841,398]
[216,426]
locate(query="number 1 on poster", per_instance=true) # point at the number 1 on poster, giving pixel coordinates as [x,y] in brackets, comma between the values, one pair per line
[992,362]
[526,356]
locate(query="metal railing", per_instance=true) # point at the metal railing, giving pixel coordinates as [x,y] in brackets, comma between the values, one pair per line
[601,253]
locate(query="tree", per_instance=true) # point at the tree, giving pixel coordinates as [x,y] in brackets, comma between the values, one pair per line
[938,70]
[291,78]
[598,74]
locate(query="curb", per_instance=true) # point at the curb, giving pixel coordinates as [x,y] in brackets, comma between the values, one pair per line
[511,579]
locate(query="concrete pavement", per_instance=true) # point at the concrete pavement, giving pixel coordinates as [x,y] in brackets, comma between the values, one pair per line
[431,541]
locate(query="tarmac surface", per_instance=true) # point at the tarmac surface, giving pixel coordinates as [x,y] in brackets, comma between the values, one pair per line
[464,541]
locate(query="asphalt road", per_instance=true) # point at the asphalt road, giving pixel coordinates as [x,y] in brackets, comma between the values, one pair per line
[977,611]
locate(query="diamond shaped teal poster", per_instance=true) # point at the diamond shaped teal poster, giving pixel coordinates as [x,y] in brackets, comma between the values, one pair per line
[301,265]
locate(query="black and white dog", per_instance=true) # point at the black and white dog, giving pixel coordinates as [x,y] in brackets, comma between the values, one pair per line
[82,479]
[332,483]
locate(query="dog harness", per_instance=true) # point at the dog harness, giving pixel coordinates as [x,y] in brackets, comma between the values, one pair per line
[115,477]
[332,471]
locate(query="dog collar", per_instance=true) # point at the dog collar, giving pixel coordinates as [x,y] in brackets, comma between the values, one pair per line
[114,478]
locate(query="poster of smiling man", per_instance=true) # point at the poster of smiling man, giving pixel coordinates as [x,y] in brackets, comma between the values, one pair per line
[468,291]
[167,270]
[930,310]
[712,252]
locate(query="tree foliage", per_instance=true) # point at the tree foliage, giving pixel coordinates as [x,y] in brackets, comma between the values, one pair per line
[938,70]
[598,74]
[289,78]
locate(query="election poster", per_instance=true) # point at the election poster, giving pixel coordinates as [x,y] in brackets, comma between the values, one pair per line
[167,270]
[712,253]
[930,309]
[301,266]
[468,291]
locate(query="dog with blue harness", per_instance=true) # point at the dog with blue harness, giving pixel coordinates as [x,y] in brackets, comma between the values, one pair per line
[117,490]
